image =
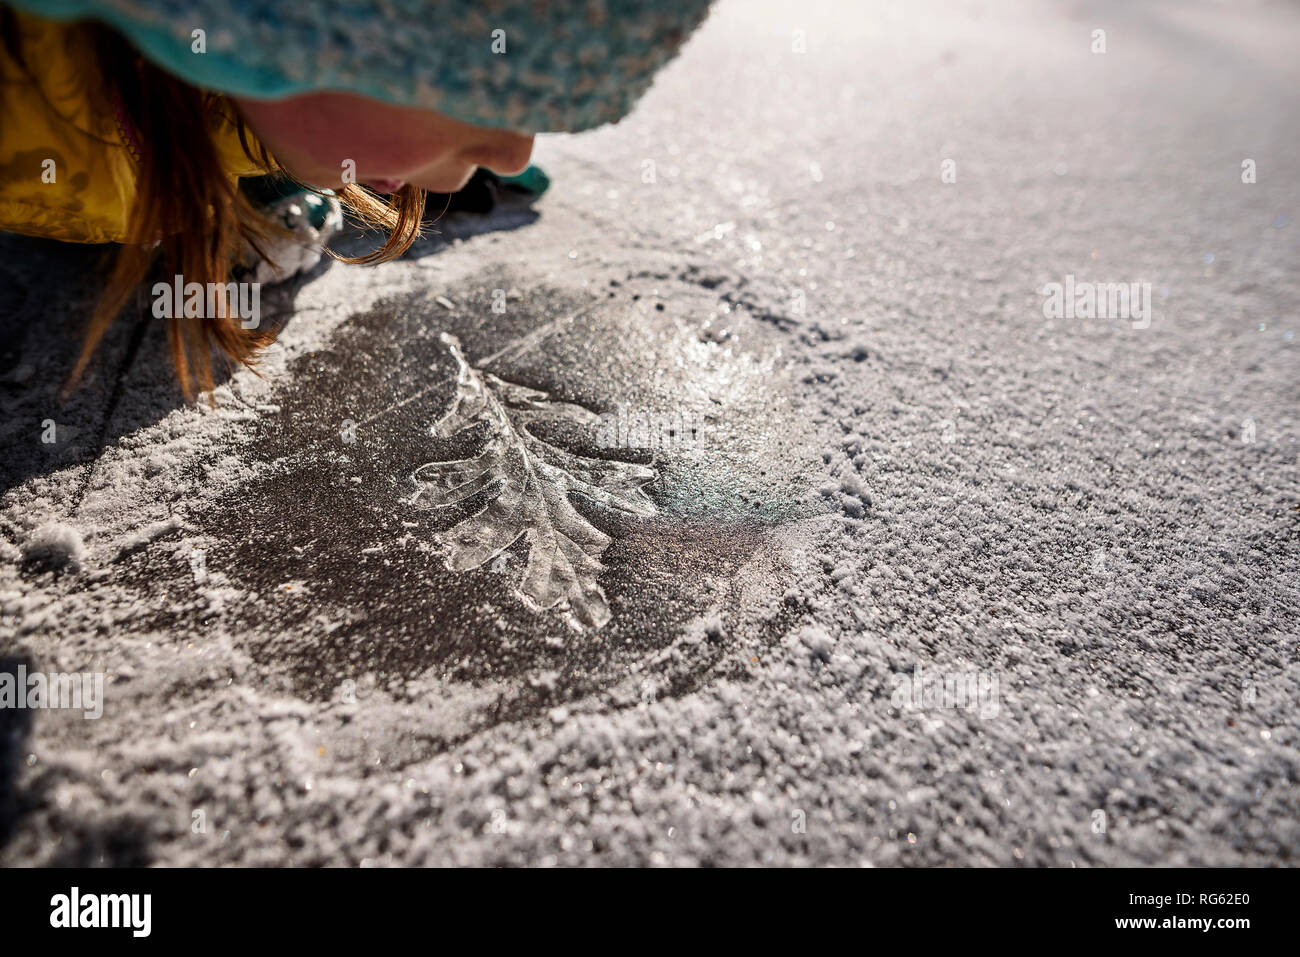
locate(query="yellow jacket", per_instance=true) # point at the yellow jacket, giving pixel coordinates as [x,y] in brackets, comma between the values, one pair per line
[66,171]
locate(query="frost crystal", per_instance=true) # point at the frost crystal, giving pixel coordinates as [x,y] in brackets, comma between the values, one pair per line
[523,485]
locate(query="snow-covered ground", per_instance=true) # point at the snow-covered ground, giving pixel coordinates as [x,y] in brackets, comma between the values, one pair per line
[846,456]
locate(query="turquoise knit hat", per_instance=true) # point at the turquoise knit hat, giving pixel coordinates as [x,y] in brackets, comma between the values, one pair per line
[526,65]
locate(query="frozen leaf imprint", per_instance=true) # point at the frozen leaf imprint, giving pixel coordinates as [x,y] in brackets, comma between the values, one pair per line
[521,486]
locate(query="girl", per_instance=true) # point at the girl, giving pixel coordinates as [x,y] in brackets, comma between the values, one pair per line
[132,121]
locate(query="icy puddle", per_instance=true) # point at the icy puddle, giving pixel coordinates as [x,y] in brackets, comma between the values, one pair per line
[556,492]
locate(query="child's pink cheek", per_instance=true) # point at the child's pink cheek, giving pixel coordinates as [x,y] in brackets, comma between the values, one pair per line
[398,156]
[328,131]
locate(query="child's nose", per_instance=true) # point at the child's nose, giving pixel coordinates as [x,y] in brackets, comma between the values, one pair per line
[505,153]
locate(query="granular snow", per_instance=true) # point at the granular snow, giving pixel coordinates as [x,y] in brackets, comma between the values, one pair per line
[55,545]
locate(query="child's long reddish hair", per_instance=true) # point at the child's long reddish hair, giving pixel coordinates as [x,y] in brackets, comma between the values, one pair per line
[188,214]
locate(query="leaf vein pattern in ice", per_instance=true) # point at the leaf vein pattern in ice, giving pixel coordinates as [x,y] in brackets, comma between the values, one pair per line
[522,486]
